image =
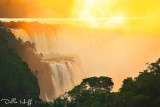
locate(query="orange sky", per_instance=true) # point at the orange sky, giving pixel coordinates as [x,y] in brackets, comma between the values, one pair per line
[136,9]
[35,8]
[78,8]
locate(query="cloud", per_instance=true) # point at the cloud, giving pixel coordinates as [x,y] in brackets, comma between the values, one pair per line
[34,8]
[16,8]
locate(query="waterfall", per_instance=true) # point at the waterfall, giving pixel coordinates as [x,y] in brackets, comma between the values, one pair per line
[64,72]
[45,43]
[65,76]
[99,52]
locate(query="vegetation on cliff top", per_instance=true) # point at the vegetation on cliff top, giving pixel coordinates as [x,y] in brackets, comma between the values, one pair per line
[16,79]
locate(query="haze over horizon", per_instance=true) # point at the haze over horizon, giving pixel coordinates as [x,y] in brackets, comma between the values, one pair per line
[118,10]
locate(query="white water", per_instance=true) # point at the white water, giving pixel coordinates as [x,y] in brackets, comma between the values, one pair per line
[44,43]
[101,53]
[64,74]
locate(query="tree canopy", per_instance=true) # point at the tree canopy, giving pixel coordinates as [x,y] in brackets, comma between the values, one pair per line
[141,91]
[16,79]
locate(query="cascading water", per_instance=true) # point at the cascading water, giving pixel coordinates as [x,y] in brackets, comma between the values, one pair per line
[65,73]
[101,52]
[45,43]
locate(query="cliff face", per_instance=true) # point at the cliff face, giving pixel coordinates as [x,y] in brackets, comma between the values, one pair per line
[56,73]
[16,78]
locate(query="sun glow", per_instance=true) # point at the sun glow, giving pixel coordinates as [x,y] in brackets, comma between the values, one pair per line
[130,16]
[125,15]
[117,20]
[90,8]
[95,12]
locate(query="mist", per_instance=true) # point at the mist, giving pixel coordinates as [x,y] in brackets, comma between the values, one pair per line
[100,52]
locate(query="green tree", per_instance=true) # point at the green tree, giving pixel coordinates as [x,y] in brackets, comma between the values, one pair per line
[144,90]
[16,79]
[91,92]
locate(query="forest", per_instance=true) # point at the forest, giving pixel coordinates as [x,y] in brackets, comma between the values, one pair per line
[16,78]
